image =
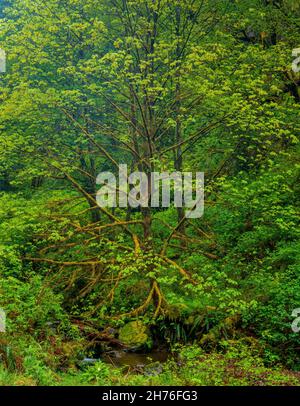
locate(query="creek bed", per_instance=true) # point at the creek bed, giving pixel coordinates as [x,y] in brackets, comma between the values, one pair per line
[149,363]
[135,359]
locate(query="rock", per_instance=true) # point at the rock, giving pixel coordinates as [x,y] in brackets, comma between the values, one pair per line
[89,361]
[114,354]
[153,369]
[135,334]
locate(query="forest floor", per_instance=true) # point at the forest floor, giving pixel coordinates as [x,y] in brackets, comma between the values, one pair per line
[191,369]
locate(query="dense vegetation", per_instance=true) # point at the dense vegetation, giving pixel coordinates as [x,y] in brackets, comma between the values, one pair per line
[159,85]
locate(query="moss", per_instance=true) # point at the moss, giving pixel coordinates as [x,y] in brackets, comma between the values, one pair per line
[135,334]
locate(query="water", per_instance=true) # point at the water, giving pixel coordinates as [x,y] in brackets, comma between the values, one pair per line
[133,359]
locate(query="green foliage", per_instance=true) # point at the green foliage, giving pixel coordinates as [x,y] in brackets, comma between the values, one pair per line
[237,366]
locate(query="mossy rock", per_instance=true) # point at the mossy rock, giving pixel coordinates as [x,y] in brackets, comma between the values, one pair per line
[135,335]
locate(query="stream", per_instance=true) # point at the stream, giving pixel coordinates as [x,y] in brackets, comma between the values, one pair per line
[150,363]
